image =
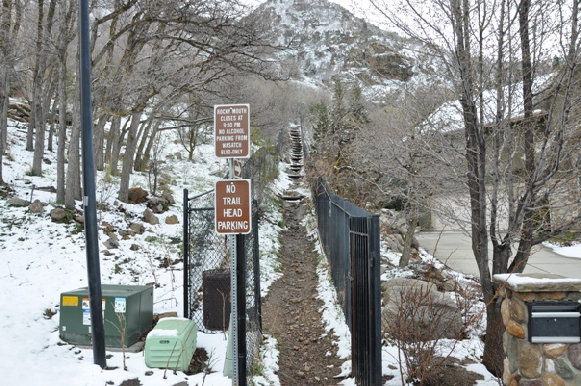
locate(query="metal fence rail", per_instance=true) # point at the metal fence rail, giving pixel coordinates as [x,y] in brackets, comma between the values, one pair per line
[350,238]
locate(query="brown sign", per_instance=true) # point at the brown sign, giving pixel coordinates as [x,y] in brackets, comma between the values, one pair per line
[233,206]
[232,131]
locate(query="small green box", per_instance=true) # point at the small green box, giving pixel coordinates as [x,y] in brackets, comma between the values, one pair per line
[171,344]
[127,310]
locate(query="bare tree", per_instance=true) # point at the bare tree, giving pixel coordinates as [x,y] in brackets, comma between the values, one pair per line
[507,198]
[10,23]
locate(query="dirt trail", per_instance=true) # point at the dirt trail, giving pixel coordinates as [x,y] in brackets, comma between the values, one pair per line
[291,313]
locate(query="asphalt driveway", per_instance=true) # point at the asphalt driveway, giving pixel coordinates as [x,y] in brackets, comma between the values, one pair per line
[454,248]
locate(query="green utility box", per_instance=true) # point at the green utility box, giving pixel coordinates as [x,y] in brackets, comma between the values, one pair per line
[127,314]
[171,344]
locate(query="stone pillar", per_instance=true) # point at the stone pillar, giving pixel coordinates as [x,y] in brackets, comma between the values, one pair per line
[532,364]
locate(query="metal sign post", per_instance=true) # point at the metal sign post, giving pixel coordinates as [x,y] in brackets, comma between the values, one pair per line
[233,217]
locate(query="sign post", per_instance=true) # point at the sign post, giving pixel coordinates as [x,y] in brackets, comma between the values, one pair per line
[233,217]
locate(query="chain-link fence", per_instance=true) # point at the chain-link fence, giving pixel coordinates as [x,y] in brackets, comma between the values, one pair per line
[207,273]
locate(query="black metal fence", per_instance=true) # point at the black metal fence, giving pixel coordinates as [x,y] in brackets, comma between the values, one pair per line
[350,238]
[207,274]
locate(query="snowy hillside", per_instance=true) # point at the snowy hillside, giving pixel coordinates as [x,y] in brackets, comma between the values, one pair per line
[329,41]
[41,259]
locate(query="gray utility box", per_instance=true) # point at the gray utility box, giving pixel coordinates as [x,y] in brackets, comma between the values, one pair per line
[554,322]
[127,314]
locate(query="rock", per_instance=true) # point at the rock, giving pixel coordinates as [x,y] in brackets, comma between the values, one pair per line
[15,201]
[392,221]
[112,236]
[574,355]
[80,219]
[527,382]
[60,215]
[436,315]
[167,196]
[504,312]
[149,217]
[134,247]
[111,244]
[157,204]
[564,370]
[172,220]
[518,310]
[137,228]
[137,196]
[393,243]
[554,350]
[553,380]
[36,207]
[515,329]
[530,360]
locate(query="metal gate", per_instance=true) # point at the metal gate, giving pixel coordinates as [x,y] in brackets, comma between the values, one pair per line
[206,273]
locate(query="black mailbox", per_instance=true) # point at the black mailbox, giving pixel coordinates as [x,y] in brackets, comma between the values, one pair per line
[554,322]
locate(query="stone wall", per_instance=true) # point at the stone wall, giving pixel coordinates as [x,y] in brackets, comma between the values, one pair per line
[536,364]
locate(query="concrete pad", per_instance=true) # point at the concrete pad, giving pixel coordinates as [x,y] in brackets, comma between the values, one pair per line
[454,248]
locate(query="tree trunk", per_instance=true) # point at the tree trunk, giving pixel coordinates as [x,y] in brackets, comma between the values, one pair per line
[3,106]
[65,36]
[140,159]
[148,149]
[39,139]
[99,136]
[412,220]
[493,356]
[127,168]
[115,142]
[73,190]
[39,83]
[53,114]
[5,16]
[62,130]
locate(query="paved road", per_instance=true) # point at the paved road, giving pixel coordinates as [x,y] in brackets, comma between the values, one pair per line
[454,248]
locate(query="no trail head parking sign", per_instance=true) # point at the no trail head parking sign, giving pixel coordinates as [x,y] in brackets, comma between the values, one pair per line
[232,131]
[233,207]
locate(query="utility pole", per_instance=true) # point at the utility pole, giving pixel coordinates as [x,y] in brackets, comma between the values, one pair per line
[89,200]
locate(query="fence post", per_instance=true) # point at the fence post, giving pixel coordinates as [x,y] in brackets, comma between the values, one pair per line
[186,221]
[241,308]
[374,300]
[256,268]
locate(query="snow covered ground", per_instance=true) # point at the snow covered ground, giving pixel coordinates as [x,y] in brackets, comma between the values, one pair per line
[569,251]
[40,259]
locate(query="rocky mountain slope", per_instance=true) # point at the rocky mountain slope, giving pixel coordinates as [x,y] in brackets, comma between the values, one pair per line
[328,41]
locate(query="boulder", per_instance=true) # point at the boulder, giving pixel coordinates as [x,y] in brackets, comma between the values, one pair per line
[15,201]
[137,227]
[110,243]
[36,207]
[60,215]
[168,197]
[157,204]
[418,310]
[172,220]
[149,217]
[137,196]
